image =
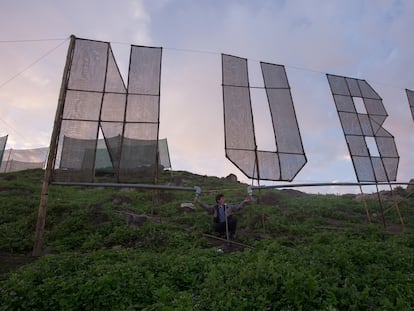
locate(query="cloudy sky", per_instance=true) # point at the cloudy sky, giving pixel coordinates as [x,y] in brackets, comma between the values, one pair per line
[364,39]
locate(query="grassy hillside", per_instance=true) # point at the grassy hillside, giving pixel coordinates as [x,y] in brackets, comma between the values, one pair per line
[129,249]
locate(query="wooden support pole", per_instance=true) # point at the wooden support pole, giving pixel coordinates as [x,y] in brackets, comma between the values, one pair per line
[228,241]
[41,216]
[395,203]
[364,203]
[381,209]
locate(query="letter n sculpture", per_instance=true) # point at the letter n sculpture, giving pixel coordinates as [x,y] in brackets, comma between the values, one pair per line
[96,102]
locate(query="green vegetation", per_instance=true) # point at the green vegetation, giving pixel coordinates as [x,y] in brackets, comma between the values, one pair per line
[129,249]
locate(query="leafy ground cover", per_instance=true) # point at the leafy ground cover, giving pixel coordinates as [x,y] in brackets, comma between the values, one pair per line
[128,249]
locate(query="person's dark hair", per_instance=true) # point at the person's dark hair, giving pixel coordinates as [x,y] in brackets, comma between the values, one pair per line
[219,196]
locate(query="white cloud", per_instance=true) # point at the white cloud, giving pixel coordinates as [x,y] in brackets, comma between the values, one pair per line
[139,12]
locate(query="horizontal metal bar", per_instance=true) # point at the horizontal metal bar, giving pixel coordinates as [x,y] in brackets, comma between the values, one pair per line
[330,184]
[117,93]
[120,185]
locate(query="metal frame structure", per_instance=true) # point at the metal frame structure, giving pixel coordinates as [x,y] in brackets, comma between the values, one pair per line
[93,96]
[358,126]
[410,96]
[3,142]
[240,141]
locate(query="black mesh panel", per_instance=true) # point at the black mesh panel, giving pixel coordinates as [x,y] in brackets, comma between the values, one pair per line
[410,96]
[241,149]
[358,126]
[97,100]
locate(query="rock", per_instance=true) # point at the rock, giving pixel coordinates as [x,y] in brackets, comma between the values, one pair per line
[231,177]
[136,220]
[132,219]
[176,181]
[188,206]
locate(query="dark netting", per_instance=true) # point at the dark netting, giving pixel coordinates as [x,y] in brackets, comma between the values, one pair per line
[357,126]
[77,159]
[16,166]
[97,101]
[240,142]
[350,123]
[101,159]
[164,154]
[410,96]
[103,162]
[245,161]
[76,151]
[23,159]
[266,161]
[363,168]
[3,142]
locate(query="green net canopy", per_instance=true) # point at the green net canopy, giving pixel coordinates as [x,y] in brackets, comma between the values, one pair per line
[23,159]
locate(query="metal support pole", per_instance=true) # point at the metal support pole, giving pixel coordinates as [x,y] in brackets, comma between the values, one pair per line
[123,185]
[227,223]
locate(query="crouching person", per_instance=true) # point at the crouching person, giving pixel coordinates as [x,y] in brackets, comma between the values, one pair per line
[224,222]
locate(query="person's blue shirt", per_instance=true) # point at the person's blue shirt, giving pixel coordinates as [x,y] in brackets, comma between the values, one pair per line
[221,213]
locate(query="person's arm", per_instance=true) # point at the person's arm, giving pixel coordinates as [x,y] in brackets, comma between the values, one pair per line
[236,207]
[208,208]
